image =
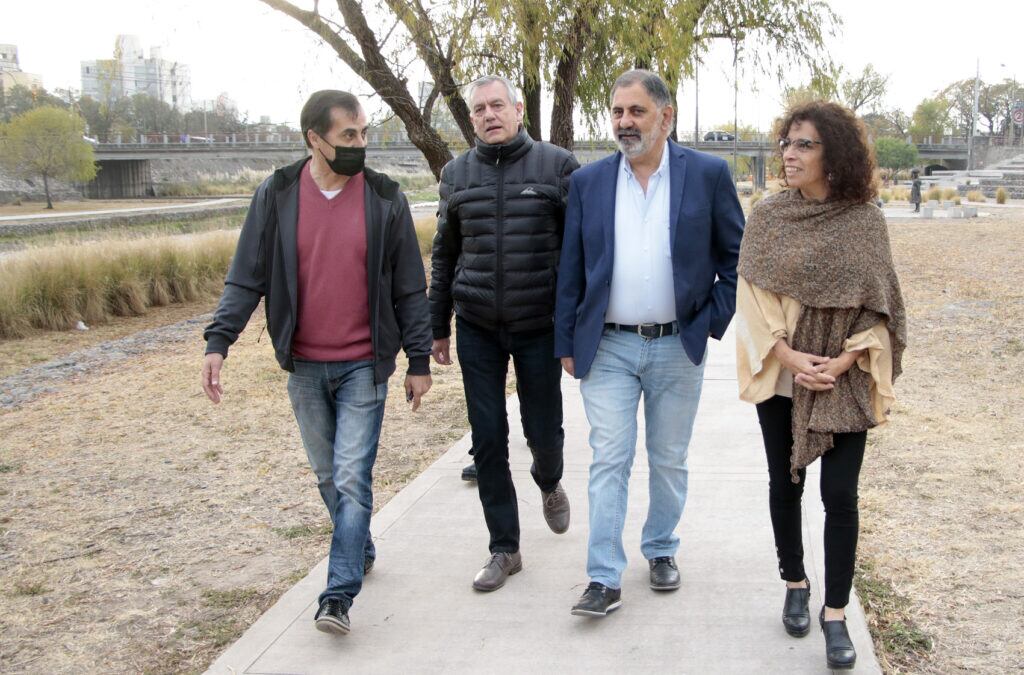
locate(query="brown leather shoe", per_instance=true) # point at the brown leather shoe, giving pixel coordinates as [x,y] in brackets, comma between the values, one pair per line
[497,570]
[556,509]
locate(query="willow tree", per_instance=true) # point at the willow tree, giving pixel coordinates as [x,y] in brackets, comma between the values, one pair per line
[572,48]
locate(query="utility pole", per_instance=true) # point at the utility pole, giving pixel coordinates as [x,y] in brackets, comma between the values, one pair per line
[974,119]
[696,98]
[735,104]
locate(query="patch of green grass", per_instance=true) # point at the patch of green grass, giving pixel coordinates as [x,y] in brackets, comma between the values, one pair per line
[29,588]
[295,577]
[211,455]
[7,468]
[215,632]
[296,531]
[422,195]
[88,232]
[230,599]
[898,639]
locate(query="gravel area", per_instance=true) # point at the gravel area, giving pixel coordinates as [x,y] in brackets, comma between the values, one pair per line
[18,389]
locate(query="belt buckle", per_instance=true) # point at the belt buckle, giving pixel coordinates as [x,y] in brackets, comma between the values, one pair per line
[649,331]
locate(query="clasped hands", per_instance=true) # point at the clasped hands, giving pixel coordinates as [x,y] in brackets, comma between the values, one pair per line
[816,373]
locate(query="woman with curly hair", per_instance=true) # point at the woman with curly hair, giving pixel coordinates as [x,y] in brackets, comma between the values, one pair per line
[820,333]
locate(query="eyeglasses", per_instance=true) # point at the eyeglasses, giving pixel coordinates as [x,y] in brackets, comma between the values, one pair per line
[802,144]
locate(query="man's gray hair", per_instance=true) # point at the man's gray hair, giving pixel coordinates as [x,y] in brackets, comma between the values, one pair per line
[655,86]
[487,79]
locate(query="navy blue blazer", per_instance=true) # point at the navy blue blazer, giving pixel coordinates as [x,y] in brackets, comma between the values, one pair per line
[705,228]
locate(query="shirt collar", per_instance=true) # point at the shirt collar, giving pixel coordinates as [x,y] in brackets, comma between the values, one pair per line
[659,172]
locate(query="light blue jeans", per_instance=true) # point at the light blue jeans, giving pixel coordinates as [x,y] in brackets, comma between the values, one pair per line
[339,410]
[626,366]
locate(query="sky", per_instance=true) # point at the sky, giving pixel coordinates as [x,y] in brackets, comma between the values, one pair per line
[269,64]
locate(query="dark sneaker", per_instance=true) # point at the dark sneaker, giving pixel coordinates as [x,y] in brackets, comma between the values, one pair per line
[664,573]
[332,617]
[598,600]
[368,564]
[796,616]
[556,509]
[469,473]
[498,569]
[839,651]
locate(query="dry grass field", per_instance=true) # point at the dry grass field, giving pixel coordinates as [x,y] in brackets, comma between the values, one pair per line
[942,503]
[142,529]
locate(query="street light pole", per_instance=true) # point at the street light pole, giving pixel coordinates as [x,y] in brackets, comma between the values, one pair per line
[735,105]
[696,97]
[974,119]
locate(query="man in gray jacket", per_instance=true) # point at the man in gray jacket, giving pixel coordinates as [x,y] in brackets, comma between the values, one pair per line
[330,246]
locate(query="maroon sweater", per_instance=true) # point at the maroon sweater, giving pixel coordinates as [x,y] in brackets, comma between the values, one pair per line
[334,310]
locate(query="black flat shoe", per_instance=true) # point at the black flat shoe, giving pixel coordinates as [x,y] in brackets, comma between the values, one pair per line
[796,615]
[839,651]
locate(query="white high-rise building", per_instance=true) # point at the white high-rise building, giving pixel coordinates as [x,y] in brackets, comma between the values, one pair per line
[130,73]
[11,73]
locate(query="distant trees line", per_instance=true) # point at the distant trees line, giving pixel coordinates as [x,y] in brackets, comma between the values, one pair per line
[127,117]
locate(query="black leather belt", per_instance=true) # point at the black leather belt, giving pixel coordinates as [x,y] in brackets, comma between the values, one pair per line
[649,331]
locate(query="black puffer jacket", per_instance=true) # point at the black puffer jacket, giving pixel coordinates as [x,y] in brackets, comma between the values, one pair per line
[499,234]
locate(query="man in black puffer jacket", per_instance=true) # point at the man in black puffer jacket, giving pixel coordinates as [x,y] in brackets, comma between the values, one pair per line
[495,258]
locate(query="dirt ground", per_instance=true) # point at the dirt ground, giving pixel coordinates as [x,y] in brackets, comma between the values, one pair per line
[142,529]
[33,208]
[942,513]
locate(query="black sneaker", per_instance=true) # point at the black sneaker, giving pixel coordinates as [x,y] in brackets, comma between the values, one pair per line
[332,617]
[598,600]
[469,473]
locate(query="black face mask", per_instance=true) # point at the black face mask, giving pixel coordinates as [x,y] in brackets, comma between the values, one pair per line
[347,161]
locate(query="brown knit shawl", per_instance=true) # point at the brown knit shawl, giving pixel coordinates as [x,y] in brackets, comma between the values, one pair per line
[834,259]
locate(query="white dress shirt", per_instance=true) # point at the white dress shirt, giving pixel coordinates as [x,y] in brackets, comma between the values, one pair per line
[641,288]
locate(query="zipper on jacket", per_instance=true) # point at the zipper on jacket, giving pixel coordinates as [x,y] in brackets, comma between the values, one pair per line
[499,227]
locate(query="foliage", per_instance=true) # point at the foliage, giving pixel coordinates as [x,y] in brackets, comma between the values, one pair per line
[56,287]
[1000,195]
[885,196]
[931,117]
[976,196]
[894,154]
[47,142]
[19,99]
[933,194]
[576,48]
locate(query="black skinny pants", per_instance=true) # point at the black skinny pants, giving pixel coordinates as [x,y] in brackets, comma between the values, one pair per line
[840,470]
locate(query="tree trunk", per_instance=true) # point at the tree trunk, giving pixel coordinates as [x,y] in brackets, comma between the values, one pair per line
[375,70]
[567,75]
[46,187]
[531,83]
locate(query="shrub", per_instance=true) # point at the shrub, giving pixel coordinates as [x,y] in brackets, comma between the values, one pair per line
[1000,195]
[901,194]
[976,196]
[885,196]
[54,288]
[933,194]
[949,194]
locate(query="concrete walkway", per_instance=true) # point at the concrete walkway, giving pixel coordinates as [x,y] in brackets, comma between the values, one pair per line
[206,203]
[418,614]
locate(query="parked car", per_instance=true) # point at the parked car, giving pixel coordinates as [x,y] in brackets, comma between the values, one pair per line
[718,136]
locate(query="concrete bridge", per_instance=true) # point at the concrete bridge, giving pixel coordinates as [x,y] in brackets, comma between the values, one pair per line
[125,169]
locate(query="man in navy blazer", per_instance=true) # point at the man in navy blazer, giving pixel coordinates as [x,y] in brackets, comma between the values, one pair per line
[647,274]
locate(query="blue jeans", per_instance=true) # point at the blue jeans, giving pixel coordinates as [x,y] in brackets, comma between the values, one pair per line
[625,366]
[484,356]
[339,410]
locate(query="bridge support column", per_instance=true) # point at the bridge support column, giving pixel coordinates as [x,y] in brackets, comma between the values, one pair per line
[120,179]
